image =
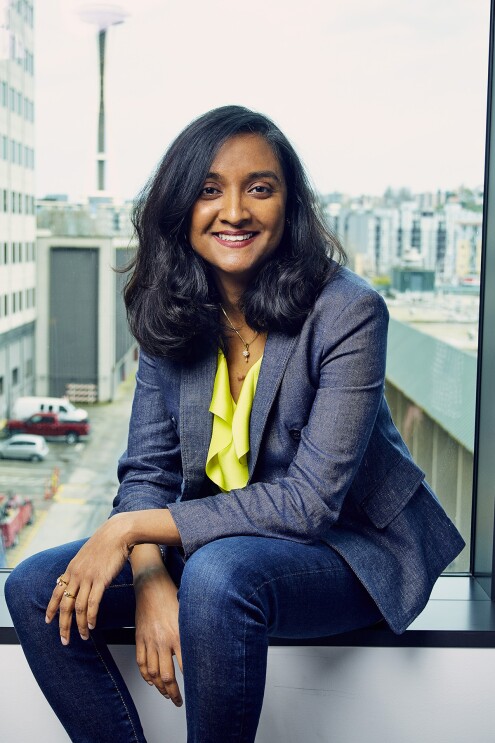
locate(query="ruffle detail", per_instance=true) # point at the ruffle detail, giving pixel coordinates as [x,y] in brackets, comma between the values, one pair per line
[226,463]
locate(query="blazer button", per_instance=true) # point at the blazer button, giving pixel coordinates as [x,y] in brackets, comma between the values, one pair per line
[295,434]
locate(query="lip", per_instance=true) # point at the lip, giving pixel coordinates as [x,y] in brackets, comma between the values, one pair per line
[232,243]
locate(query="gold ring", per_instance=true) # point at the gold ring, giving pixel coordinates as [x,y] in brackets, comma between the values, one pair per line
[61,581]
[70,595]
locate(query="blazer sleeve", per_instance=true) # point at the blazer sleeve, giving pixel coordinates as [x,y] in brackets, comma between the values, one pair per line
[305,503]
[150,470]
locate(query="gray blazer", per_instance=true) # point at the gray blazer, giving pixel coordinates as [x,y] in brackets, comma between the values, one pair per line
[325,463]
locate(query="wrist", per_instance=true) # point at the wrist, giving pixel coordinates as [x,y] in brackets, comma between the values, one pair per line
[144,555]
[148,573]
[131,529]
[124,524]
[153,526]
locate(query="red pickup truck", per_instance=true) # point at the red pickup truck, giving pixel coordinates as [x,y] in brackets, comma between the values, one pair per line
[50,426]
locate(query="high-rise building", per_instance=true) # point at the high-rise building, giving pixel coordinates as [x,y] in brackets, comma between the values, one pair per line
[17,204]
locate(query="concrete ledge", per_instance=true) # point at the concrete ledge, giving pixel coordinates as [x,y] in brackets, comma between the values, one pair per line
[313,694]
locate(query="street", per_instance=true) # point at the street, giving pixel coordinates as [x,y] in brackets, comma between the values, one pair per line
[73,488]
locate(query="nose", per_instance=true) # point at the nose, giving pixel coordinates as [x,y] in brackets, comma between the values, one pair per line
[234,208]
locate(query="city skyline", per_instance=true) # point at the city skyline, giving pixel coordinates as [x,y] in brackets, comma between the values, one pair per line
[371,94]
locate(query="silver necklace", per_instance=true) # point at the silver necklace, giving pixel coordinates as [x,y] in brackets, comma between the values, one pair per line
[246,353]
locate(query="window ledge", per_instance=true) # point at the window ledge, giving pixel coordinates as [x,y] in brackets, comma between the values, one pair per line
[458,614]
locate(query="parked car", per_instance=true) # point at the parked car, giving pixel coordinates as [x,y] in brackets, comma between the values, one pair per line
[24,446]
[25,407]
[50,426]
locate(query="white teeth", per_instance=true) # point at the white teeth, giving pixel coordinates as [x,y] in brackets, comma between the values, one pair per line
[235,238]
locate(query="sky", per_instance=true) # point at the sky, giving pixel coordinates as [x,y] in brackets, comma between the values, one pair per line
[372,93]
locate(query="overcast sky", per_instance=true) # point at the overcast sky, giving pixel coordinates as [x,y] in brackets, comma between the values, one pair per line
[371,92]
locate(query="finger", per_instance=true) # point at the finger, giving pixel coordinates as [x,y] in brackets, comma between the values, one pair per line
[178,655]
[80,608]
[152,671]
[167,676]
[56,598]
[93,603]
[142,661]
[65,612]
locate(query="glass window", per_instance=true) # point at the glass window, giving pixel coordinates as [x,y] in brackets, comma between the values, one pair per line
[389,128]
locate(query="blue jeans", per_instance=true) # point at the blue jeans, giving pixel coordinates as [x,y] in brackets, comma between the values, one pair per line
[234,594]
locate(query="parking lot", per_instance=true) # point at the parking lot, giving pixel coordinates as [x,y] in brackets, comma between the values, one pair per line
[73,488]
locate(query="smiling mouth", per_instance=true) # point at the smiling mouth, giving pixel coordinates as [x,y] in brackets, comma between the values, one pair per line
[235,240]
[234,237]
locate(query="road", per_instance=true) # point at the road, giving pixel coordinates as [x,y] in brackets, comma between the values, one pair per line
[87,474]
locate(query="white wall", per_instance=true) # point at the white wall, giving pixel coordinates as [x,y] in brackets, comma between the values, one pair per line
[314,695]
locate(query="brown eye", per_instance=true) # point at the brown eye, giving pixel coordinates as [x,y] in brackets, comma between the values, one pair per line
[262,190]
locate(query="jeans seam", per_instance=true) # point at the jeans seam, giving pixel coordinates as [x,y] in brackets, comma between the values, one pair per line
[121,585]
[291,575]
[241,729]
[117,688]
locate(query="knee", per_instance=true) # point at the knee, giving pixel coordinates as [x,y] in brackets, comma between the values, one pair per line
[25,588]
[213,568]
[30,585]
[217,581]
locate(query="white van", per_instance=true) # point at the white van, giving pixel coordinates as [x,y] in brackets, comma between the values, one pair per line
[25,407]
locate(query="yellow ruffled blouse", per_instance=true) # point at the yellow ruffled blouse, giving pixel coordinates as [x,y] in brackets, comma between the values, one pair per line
[226,463]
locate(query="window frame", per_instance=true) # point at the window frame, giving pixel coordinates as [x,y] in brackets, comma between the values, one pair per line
[483,528]
[475,624]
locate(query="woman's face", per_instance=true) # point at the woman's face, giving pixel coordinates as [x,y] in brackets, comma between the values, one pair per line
[238,220]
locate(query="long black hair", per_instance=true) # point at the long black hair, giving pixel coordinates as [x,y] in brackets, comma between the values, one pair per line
[171,298]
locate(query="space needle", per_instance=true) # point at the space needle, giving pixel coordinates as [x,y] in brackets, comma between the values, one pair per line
[103,16]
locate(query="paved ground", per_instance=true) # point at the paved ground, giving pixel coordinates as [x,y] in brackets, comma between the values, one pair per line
[87,480]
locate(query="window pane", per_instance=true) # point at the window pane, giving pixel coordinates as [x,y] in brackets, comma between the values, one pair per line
[385,102]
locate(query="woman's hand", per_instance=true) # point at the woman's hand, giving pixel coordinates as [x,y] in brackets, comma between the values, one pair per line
[157,631]
[80,588]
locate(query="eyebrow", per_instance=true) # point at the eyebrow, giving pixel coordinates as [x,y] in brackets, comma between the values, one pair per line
[254,175]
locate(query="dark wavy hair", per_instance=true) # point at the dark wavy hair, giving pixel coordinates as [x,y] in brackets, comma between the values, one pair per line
[171,297]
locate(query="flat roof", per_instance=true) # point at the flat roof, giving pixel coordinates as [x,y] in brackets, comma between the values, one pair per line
[436,374]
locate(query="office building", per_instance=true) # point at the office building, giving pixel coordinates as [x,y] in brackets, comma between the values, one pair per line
[84,348]
[18,298]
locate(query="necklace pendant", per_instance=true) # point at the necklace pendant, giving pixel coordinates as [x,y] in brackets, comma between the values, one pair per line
[246,354]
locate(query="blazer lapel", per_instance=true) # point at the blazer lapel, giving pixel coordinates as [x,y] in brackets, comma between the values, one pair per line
[277,353]
[196,421]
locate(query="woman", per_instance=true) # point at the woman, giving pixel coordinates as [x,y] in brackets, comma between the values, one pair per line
[261,455]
